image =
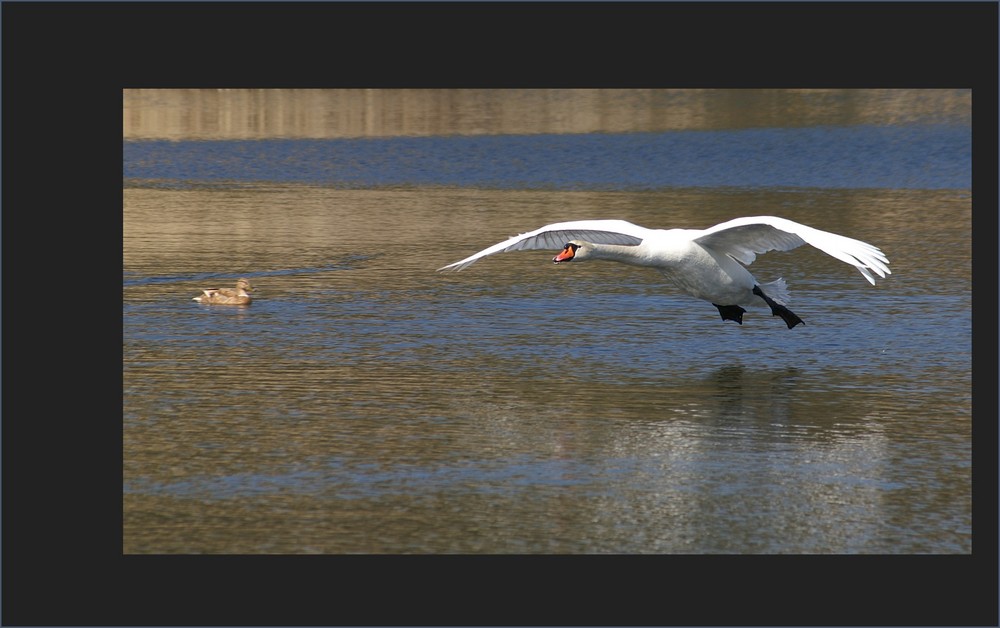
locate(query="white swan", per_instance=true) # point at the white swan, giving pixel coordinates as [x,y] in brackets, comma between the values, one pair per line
[701,262]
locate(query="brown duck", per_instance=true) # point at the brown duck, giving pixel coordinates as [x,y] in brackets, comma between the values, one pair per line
[227,296]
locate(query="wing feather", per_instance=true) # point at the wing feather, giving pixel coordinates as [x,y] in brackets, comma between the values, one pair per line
[556,235]
[744,238]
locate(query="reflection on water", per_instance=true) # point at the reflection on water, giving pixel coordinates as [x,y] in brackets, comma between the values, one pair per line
[366,404]
[339,113]
[518,407]
[923,157]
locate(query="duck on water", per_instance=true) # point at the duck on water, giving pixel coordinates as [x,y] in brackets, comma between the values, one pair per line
[227,296]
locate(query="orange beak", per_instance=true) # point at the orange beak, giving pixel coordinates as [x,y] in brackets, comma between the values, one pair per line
[566,255]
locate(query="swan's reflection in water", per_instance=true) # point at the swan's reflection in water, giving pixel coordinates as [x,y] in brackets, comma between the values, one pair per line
[364,403]
[735,461]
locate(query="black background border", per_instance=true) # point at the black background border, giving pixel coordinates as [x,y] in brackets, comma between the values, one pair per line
[62,549]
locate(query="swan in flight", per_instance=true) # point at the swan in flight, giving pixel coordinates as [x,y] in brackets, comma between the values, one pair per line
[708,264]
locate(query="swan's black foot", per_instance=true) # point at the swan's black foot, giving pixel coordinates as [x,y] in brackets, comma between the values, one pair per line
[778,309]
[731,312]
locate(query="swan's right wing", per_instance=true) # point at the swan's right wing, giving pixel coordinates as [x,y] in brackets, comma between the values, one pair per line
[743,238]
[556,235]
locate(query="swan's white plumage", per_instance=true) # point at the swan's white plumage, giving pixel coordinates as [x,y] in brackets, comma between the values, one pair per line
[556,235]
[743,238]
[740,238]
[700,261]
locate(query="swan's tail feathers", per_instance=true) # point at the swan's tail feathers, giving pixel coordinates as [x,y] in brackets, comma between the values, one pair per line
[777,290]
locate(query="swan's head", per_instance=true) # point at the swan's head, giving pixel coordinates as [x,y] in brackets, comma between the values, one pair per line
[574,250]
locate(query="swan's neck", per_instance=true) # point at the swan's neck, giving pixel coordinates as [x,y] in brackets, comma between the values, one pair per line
[619,253]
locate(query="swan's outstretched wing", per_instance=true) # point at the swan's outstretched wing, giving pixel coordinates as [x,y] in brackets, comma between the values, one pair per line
[743,238]
[556,235]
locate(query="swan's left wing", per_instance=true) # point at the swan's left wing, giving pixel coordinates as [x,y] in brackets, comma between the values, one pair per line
[743,238]
[556,235]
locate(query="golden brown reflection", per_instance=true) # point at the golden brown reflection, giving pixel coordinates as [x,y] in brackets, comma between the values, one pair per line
[364,403]
[311,113]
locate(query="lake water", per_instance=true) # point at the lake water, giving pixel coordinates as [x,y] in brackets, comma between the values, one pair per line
[365,403]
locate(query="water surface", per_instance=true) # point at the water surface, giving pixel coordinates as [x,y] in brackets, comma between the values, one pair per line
[366,404]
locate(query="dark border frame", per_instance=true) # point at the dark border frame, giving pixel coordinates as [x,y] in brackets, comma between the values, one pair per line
[64,66]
